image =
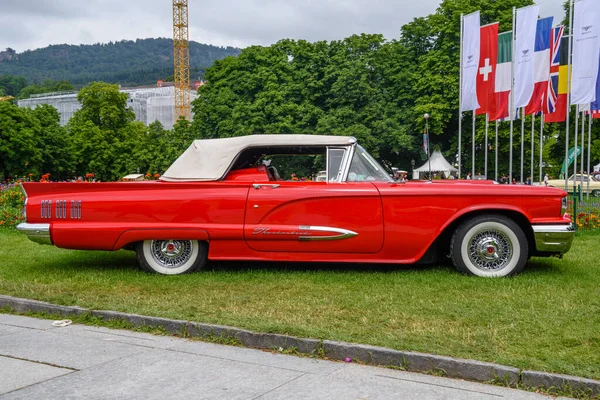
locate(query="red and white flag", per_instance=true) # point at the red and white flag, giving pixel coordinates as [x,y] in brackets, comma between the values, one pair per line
[486,76]
[541,65]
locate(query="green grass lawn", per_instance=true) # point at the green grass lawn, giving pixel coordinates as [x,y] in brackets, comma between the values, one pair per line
[547,318]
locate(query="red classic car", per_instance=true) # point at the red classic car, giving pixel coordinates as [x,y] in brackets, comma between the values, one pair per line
[258,198]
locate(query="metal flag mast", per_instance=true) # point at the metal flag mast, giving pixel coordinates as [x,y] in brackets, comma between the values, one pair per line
[522,140]
[582,145]
[532,148]
[496,161]
[473,148]
[589,147]
[541,144]
[512,98]
[487,122]
[460,98]
[568,95]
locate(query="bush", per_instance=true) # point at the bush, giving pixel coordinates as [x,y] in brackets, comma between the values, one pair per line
[12,201]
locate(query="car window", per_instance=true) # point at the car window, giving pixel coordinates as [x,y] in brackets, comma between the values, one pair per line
[365,168]
[294,167]
[335,158]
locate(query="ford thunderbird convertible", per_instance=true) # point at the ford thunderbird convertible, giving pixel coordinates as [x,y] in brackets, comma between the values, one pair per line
[300,198]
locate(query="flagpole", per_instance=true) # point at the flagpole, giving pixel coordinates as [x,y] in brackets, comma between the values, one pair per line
[496,161]
[568,93]
[512,98]
[589,147]
[473,149]
[486,145]
[532,147]
[582,145]
[460,99]
[575,144]
[541,144]
[522,139]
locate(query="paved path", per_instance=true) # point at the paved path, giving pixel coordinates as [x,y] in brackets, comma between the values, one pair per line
[39,361]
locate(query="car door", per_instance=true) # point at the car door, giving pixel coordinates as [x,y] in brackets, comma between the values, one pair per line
[319,217]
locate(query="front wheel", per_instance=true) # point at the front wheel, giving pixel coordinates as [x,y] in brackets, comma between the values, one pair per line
[489,246]
[596,193]
[171,257]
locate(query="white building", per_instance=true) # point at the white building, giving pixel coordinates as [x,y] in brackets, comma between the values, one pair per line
[149,104]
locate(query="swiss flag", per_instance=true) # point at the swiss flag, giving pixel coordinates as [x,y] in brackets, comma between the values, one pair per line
[486,74]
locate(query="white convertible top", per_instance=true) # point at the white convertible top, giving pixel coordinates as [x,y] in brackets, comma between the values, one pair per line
[209,159]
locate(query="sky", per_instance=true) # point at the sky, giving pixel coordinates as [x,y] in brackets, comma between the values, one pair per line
[31,24]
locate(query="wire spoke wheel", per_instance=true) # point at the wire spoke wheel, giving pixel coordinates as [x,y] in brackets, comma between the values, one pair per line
[490,250]
[171,253]
[172,257]
[489,246]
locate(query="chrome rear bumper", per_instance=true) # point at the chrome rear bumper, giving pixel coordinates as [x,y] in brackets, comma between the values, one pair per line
[553,238]
[39,233]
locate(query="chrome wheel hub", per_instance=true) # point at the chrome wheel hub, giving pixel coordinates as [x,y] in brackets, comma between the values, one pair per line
[171,253]
[490,250]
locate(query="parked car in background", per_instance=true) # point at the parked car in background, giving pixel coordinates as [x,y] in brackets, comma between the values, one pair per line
[221,201]
[589,184]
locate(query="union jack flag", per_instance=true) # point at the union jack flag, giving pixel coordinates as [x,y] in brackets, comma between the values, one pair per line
[555,42]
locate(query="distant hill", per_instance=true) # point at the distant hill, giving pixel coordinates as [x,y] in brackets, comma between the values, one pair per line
[130,63]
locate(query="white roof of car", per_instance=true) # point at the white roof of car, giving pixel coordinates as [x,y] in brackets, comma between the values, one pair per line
[210,159]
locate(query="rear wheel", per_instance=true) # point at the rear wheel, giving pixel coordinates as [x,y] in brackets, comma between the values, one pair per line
[596,193]
[489,246]
[171,257]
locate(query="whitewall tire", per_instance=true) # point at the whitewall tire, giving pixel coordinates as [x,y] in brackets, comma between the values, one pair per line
[171,257]
[489,246]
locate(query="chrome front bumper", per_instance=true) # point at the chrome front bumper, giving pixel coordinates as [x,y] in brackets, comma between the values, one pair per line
[553,238]
[39,233]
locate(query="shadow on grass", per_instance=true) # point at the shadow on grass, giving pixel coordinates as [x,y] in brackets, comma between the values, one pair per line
[99,261]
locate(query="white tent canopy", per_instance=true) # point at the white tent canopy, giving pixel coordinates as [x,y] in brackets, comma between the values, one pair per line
[438,164]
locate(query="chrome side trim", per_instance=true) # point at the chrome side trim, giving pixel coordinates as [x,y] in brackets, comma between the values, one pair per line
[259,186]
[343,233]
[39,233]
[553,238]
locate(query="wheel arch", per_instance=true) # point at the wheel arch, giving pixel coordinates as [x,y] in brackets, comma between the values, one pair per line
[129,238]
[441,245]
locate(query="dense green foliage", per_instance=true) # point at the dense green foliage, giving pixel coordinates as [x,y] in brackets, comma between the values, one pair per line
[101,138]
[129,63]
[12,200]
[18,87]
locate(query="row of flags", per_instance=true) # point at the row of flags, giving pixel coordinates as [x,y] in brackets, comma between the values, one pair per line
[540,70]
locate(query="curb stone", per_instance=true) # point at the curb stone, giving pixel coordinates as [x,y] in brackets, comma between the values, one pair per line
[421,362]
[411,361]
[546,380]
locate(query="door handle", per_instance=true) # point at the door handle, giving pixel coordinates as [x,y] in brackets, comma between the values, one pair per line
[258,186]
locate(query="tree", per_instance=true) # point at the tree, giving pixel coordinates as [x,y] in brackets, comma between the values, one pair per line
[101,131]
[53,142]
[19,151]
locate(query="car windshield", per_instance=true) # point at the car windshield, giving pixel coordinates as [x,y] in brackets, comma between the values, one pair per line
[365,168]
